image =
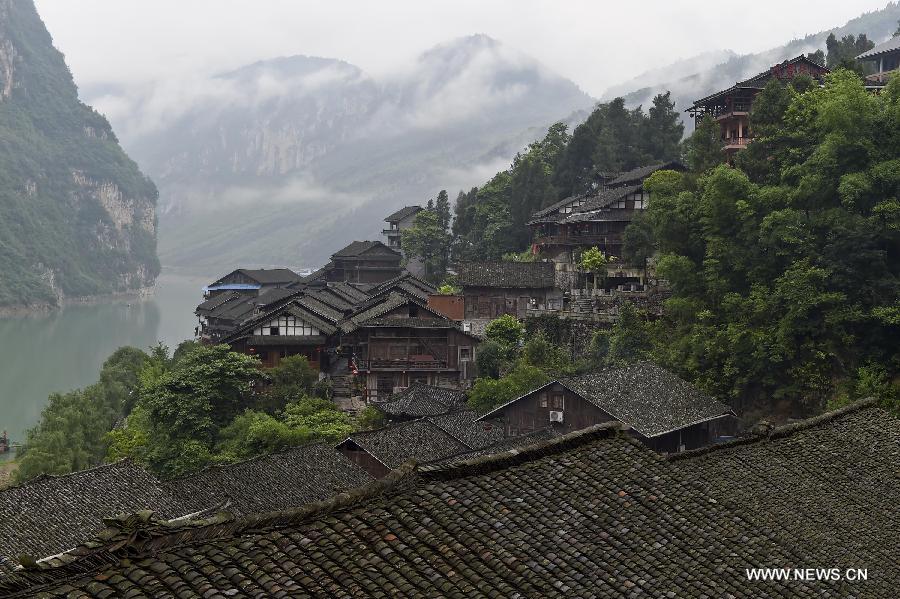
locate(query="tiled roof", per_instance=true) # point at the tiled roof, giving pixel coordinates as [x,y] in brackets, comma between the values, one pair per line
[418,440]
[891,45]
[757,81]
[552,208]
[358,248]
[313,302]
[419,400]
[462,425]
[832,483]
[271,482]
[405,283]
[217,300]
[642,172]
[271,276]
[51,514]
[650,399]
[402,213]
[591,514]
[513,275]
[381,307]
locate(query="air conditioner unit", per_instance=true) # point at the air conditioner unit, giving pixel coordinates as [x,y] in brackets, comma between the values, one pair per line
[467,327]
[556,416]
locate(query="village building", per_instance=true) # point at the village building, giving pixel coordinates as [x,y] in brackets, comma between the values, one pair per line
[492,289]
[589,514]
[397,341]
[884,60]
[297,328]
[398,222]
[663,411]
[563,230]
[250,281]
[731,107]
[360,262]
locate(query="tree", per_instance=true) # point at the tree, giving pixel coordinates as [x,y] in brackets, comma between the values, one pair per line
[488,393]
[292,379]
[429,240]
[630,340]
[842,52]
[505,329]
[663,129]
[703,149]
[442,209]
[594,261]
[71,433]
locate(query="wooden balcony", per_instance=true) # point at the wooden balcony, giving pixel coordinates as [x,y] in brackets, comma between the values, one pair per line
[736,143]
[412,362]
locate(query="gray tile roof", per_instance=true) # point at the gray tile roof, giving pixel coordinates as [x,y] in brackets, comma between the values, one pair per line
[591,514]
[420,400]
[831,483]
[462,425]
[217,301]
[512,275]
[358,248]
[271,276]
[51,514]
[277,481]
[642,172]
[418,440]
[649,399]
[891,45]
[404,212]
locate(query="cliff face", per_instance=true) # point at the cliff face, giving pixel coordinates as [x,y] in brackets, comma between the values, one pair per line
[77,217]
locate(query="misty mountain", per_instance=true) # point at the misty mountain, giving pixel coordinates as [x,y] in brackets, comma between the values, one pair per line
[696,78]
[77,217]
[284,161]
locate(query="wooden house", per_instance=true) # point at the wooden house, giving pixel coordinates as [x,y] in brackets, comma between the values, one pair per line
[885,60]
[252,281]
[296,328]
[397,341]
[361,262]
[598,219]
[665,412]
[731,107]
[492,289]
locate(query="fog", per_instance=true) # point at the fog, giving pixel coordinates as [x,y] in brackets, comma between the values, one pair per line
[595,44]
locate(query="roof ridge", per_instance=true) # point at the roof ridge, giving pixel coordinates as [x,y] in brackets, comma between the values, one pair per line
[47,476]
[257,457]
[485,464]
[781,431]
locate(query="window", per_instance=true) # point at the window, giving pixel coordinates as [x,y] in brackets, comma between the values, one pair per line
[274,331]
[543,403]
[465,353]
[556,402]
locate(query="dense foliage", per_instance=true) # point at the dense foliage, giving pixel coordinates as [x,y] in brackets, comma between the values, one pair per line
[490,221]
[201,405]
[786,270]
[50,224]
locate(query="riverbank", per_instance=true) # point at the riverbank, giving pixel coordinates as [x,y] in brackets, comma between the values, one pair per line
[41,309]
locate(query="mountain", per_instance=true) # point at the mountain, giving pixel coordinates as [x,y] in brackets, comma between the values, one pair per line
[77,217]
[697,78]
[284,161]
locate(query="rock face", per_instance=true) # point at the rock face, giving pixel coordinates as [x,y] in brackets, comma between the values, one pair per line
[77,217]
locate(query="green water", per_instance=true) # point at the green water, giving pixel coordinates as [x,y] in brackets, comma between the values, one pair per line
[63,350]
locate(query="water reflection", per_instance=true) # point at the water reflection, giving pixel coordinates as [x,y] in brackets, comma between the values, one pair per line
[63,350]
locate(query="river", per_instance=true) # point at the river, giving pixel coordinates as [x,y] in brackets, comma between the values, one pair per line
[63,350]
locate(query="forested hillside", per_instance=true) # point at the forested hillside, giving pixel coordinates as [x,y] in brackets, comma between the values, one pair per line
[77,217]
